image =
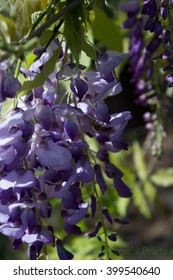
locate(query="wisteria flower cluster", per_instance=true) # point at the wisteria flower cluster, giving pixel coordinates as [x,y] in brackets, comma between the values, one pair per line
[45,151]
[151,61]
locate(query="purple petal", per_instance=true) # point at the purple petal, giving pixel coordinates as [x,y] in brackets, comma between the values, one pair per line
[107,215]
[63,254]
[97,228]
[29,220]
[44,115]
[122,189]
[93,206]
[112,237]
[72,229]
[71,129]
[54,156]
[7,155]
[4,218]
[9,138]
[112,171]
[84,171]
[99,178]
[108,61]
[78,215]
[68,201]
[18,179]
[12,231]
[43,236]
[101,112]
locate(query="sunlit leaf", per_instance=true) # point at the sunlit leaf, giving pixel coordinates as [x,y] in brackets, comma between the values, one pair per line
[163,177]
[88,48]
[140,201]
[10,28]
[113,4]
[139,162]
[21,12]
[150,190]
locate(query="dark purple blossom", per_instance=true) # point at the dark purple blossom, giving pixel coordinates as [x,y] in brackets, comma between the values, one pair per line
[122,188]
[99,178]
[63,253]
[112,237]
[8,85]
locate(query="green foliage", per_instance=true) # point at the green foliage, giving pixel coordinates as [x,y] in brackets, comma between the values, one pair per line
[88,48]
[106,31]
[73,34]
[139,162]
[113,4]
[21,12]
[4,8]
[163,177]
[7,28]
[140,200]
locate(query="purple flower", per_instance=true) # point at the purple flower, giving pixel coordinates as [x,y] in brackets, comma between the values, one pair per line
[122,188]
[83,170]
[44,115]
[71,129]
[63,253]
[72,229]
[107,215]
[99,178]
[17,179]
[12,230]
[8,85]
[112,237]
[107,63]
[78,214]
[45,154]
[149,8]
[97,228]
[131,7]
[153,44]
[93,205]
[54,156]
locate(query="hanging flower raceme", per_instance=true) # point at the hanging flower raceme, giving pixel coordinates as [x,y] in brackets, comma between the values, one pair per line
[45,152]
[151,61]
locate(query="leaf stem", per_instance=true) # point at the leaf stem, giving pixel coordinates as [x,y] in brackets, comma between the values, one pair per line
[103,222]
[19,62]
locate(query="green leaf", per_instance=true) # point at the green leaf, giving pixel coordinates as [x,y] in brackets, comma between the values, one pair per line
[43,75]
[139,162]
[45,37]
[6,106]
[113,4]
[21,11]
[140,201]
[4,8]
[9,28]
[106,31]
[74,31]
[150,191]
[163,177]
[88,48]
